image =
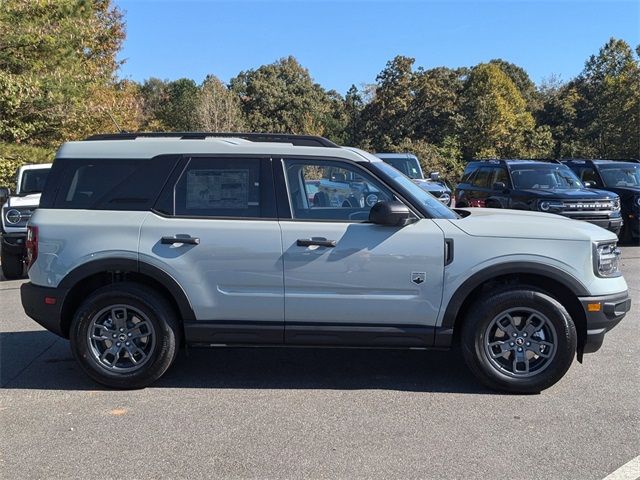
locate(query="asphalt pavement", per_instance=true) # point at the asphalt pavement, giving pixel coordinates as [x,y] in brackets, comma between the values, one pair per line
[316,413]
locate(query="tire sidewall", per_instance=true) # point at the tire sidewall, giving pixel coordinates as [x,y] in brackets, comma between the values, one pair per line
[157,312]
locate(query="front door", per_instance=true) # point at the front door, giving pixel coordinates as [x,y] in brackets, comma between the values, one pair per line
[215,232]
[348,281]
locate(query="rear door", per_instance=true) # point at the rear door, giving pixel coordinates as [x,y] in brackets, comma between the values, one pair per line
[481,187]
[348,281]
[214,230]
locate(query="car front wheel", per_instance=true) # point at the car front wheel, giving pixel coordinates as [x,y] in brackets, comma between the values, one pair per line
[125,335]
[519,340]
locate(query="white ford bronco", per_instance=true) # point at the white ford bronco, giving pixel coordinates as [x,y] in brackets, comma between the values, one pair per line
[16,212]
[147,242]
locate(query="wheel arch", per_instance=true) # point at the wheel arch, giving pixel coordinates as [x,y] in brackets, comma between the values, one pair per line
[86,278]
[549,279]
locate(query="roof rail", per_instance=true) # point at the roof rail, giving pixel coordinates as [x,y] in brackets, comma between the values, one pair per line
[631,160]
[297,140]
[497,160]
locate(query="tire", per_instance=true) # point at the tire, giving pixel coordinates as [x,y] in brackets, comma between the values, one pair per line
[119,314]
[545,337]
[12,265]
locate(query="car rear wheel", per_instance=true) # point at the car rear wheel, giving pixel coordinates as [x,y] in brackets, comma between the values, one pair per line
[125,335]
[519,340]
[12,265]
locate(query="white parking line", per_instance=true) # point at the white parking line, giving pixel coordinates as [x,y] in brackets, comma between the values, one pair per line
[628,471]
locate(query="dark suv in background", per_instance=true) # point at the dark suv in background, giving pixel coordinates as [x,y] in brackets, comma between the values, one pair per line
[545,186]
[618,176]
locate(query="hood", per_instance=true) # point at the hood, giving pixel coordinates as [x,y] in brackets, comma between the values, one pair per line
[495,222]
[430,185]
[32,200]
[625,191]
[569,193]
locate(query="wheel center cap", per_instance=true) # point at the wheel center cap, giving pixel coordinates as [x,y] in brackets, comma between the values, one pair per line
[519,341]
[122,337]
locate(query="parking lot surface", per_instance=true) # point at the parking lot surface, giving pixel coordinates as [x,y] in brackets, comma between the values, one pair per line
[319,413]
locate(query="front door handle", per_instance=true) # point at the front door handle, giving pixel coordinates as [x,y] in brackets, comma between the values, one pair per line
[180,239]
[320,242]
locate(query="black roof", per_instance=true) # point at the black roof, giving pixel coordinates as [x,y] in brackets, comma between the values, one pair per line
[516,161]
[602,161]
[297,140]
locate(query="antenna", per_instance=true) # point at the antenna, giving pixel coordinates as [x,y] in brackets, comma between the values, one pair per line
[115,123]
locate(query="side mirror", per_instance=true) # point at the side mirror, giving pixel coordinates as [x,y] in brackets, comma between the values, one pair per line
[393,214]
[5,193]
[500,186]
[435,176]
[589,184]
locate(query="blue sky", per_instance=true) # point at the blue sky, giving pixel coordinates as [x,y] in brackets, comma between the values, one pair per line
[350,42]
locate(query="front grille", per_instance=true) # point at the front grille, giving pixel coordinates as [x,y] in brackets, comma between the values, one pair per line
[569,206]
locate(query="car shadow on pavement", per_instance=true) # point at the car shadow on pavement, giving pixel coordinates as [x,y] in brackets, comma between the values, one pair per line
[51,366]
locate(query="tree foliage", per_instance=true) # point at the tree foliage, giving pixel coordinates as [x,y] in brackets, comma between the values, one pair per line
[58,81]
[56,58]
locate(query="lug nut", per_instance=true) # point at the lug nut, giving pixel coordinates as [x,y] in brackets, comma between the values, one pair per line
[511,344]
[524,334]
[127,344]
[118,344]
[122,329]
[114,335]
[528,344]
[519,349]
[129,334]
[515,334]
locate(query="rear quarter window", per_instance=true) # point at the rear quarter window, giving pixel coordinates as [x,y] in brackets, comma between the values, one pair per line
[107,184]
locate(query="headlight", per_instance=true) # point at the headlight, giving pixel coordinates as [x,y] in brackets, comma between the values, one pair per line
[616,204]
[606,260]
[546,205]
[17,217]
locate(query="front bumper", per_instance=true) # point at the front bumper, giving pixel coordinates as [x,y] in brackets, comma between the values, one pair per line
[14,243]
[613,224]
[44,305]
[602,314]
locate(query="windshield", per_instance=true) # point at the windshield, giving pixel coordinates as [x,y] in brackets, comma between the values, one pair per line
[620,175]
[434,208]
[409,166]
[33,181]
[544,177]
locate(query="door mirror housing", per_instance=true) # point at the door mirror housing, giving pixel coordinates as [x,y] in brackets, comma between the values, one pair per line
[500,186]
[589,184]
[434,176]
[5,193]
[393,214]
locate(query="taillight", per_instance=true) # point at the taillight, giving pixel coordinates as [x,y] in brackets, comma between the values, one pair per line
[32,245]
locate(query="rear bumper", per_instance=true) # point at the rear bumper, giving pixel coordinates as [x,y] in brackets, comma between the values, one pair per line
[14,243]
[603,313]
[44,305]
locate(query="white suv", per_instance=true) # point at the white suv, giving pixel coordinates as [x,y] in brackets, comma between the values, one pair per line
[145,242]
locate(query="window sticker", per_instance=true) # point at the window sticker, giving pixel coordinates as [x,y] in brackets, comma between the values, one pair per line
[215,188]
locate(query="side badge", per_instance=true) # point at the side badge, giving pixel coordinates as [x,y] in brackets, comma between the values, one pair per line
[418,277]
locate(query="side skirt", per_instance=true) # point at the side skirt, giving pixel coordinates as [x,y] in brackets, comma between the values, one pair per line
[219,333]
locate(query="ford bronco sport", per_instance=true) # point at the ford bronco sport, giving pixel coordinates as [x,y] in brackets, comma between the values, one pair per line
[545,186]
[146,242]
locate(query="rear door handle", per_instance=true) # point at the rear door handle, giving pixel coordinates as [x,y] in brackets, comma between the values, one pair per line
[180,239]
[320,242]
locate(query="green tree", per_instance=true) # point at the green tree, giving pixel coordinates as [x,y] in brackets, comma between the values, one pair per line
[55,57]
[281,97]
[435,110]
[178,111]
[523,83]
[496,123]
[608,110]
[353,105]
[386,117]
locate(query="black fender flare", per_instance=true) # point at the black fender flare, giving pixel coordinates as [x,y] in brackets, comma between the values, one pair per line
[88,269]
[494,271]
